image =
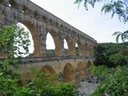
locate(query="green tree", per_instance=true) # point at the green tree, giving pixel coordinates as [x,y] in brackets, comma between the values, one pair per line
[122,35]
[115,7]
[14,41]
[115,82]
[118,7]
[111,54]
[11,37]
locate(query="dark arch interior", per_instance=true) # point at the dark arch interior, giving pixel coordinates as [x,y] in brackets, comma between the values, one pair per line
[87,68]
[48,69]
[69,73]
[81,70]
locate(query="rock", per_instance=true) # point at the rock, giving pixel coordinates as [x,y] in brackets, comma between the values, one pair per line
[88,86]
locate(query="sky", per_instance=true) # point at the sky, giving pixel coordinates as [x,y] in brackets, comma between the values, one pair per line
[93,22]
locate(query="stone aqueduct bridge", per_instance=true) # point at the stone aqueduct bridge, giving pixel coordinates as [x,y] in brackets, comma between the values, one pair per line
[40,22]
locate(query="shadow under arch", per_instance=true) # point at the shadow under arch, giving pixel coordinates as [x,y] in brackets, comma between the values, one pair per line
[57,42]
[87,69]
[89,63]
[48,69]
[36,38]
[69,73]
[81,70]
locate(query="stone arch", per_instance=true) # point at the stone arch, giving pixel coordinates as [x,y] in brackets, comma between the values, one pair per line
[89,63]
[69,73]
[87,69]
[86,49]
[70,45]
[36,38]
[30,47]
[50,46]
[89,50]
[65,52]
[57,42]
[95,62]
[81,70]
[48,69]
[79,47]
[92,48]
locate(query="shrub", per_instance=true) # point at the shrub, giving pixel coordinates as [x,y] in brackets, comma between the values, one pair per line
[115,82]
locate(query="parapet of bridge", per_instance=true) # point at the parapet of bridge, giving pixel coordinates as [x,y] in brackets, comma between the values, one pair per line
[40,23]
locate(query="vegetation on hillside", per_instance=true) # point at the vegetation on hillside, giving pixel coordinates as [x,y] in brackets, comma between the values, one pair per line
[111,54]
[112,68]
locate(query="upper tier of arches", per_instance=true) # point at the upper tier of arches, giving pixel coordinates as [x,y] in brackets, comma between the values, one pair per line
[40,23]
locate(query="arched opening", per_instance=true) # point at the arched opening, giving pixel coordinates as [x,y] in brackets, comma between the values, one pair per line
[87,69]
[79,48]
[76,50]
[49,73]
[95,62]
[69,45]
[36,39]
[50,46]
[31,46]
[48,69]
[91,50]
[69,73]
[86,49]
[81,70]
[89,64]
[57,42]
[65,48]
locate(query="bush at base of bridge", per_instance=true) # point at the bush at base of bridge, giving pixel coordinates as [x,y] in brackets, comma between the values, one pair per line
[61,89]
[114,83]
[46,87]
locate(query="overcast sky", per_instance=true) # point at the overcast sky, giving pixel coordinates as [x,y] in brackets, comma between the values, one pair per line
[92,22]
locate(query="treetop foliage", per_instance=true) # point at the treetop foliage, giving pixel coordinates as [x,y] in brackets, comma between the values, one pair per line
[122,35]
[118,7]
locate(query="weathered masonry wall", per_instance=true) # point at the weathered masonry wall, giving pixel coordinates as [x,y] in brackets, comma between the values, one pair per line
[40,22]
[68,69]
